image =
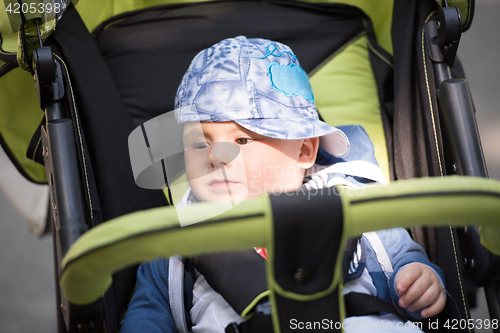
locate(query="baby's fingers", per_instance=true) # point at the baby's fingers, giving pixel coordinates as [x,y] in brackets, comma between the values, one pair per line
[406,276]
[435,308]
[428,297]
[415,291]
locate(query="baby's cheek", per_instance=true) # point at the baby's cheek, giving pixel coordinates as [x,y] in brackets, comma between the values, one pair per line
[196,186]
[255,184]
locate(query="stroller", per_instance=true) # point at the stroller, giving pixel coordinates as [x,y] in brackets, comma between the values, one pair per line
[394,72]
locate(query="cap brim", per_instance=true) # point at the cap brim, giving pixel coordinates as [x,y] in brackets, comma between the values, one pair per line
[335,143]
[332,139]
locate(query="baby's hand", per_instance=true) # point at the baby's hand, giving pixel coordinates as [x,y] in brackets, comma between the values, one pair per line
[419,287]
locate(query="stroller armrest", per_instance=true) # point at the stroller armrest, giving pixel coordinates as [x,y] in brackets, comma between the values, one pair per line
[142,236]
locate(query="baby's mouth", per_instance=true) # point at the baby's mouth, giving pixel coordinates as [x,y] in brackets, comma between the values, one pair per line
[221,183]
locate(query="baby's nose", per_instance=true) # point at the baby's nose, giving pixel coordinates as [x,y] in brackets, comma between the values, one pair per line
[223,153]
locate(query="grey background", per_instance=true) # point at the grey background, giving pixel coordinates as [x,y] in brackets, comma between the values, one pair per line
[27,292]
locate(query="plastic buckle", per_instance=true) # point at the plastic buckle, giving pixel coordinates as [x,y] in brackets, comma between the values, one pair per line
[45,74]
[232,328]
[449,31]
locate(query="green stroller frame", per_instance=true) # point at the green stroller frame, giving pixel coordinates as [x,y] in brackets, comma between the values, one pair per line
[74,150]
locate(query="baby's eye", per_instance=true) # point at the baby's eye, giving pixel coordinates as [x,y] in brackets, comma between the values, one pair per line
[243,141]
[200,145]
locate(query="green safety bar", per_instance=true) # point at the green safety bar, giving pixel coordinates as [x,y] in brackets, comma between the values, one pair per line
[89,264]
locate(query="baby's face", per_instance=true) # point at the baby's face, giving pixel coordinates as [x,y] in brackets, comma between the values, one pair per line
[216,169]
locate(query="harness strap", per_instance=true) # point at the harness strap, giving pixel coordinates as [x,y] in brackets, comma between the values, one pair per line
[260,322]
[176,292]
[358,304]
[110,311]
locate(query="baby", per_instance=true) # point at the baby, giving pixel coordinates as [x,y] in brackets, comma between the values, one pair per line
[251,127]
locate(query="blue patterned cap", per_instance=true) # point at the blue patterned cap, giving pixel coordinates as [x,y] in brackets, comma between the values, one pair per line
[258,84]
